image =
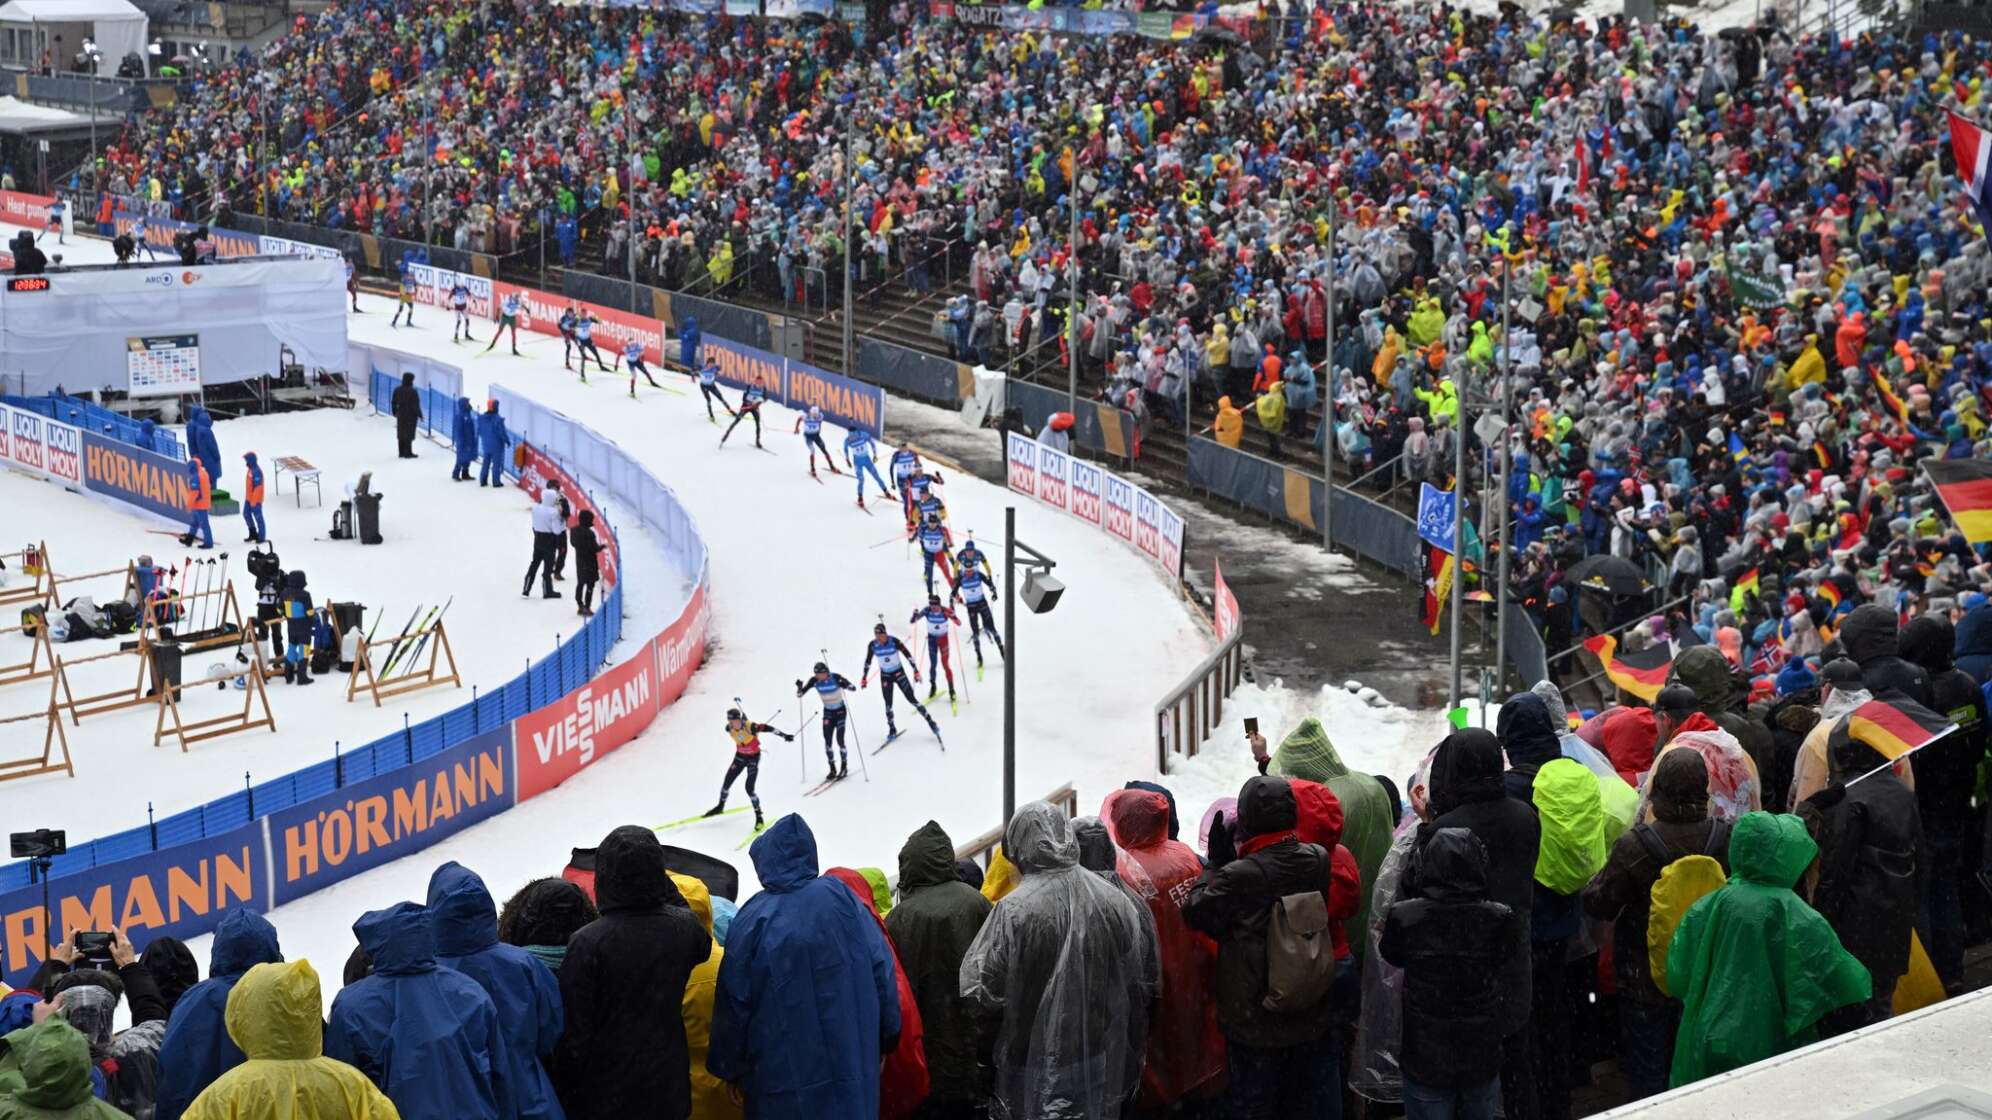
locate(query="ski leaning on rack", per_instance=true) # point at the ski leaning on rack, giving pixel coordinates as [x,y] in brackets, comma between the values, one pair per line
[427,631]
[401,640]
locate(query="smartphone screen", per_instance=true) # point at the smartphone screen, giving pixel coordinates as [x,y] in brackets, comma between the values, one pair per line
[1251,725]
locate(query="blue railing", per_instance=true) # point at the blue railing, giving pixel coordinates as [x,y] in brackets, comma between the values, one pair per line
[97,418]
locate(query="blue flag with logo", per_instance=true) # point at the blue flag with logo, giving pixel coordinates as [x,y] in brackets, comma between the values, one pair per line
[1435,516]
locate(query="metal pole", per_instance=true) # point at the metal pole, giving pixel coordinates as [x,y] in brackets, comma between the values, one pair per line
[850,214]
[1328,400]
[429,177]
[1507,466]
[94,184]
[1010,663]
[629,195]
[1459,531]
[1072,303]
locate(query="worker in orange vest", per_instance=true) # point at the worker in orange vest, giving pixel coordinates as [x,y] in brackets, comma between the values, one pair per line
[200,496]
[252,500]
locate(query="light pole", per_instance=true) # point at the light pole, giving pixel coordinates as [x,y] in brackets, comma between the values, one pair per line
[1507,465]
[850,213]
[1459,529]
[629,194]
[1040,596]
[1072,302]
[1328,399]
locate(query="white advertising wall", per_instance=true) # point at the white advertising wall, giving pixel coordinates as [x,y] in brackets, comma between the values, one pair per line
[225,322]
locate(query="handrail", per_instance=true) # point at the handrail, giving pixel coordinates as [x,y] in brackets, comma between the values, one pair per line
[979,848]
[1185,718]
[1623,627]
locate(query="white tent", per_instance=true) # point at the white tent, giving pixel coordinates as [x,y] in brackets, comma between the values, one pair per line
[115,26]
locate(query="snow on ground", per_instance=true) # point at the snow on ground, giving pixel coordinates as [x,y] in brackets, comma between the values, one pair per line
[430,525]
[796,568]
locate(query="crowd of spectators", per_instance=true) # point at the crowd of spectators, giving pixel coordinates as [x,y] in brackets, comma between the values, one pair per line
[1684,887]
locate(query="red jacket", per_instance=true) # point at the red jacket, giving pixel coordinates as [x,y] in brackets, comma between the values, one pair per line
[1185,1046]
[903,1083]
[1321,823]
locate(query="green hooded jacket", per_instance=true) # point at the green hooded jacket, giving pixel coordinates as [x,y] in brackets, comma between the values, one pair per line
[1571,806]
[1753,965]
[937,919]
[53,1062]
[1367,818]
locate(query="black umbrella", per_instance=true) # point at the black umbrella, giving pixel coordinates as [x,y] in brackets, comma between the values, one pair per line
[1609,574]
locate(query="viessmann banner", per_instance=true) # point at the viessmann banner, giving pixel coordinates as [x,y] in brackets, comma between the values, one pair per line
[1098,497]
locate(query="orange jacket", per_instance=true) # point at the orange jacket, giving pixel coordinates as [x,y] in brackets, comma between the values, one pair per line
[203,490]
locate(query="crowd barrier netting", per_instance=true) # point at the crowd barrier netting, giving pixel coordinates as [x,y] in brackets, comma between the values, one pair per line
[360,806]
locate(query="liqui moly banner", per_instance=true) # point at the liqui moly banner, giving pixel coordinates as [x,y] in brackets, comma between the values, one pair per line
[40,446]
[1098,497]
[436,287]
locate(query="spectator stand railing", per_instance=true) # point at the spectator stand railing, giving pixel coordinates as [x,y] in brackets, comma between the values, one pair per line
[272,842]
[1064,797]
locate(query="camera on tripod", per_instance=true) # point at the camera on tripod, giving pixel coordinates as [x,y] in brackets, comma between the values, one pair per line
[39,844]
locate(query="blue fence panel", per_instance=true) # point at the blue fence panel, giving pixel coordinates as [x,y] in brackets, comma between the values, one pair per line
[426,738]
[359,764]
[515,698]
[275,795]
[390,753]
[545,677]
[81,857]
[15,876]
[313,781]
[124,845]
[460,723]
[491,707]
[225,813]
[182,827]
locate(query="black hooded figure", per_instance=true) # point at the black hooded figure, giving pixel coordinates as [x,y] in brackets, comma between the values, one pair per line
[407,406]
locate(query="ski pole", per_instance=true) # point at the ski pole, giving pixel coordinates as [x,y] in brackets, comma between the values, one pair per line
[224,585]
[851,714]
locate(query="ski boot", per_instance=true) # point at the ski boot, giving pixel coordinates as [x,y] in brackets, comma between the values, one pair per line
[844,767]
[290,673]
[832,775]
[861,501]
[303,673]
[760,822]
[934,690]
[714,811]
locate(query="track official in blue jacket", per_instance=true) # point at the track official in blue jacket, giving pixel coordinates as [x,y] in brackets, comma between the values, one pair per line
[525,991]
[491,442]
[808,999]
[427,1035]
[463,434]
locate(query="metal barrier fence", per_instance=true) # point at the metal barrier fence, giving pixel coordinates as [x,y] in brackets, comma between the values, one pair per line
[96,418]
[1185,718]
[979,848]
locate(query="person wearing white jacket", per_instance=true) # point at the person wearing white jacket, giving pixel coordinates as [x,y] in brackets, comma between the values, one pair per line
[547,530]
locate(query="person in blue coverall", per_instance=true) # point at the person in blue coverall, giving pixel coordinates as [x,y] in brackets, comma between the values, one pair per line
[201,443]
[491,441]
[525,991]
[463,434]
[688,342]
[197,1049]
[428,1036]
[808,999]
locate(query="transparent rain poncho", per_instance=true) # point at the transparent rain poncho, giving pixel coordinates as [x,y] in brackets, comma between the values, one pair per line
[1068,962]
[1733,786]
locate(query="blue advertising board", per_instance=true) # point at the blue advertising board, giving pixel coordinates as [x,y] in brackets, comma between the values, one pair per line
[146,479]
[845,402]
[316,843]
[182,891]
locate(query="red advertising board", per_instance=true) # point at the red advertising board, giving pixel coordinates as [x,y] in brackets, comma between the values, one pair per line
[559,740]
[22,209]
[681,647]
[537,471]
[1226,606]
[541,312]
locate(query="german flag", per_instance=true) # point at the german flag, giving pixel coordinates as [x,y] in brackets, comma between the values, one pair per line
[1830,591]
[1965,485]
[1895,406]
[1895,728]
[1748,585]
[1643,674]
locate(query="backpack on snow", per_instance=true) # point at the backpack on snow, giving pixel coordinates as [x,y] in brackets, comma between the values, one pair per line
[1300,955]
[1683,880]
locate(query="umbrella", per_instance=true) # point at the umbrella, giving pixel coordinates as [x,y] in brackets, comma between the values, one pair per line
[1609,574]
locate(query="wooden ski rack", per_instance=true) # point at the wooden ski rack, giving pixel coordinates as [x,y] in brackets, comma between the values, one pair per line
[32,668]
[51,714]
[40,586]
[411,680]
[144,687]
[129,593]
[254,691]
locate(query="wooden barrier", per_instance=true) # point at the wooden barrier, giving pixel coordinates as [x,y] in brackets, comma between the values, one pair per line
[253,692]
[228,629]
[31,562]
[145,683]
[40,648]
[411,680]
[129,592]
[51,714]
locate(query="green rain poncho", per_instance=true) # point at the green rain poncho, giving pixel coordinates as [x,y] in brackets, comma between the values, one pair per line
[1753,965]
[1568,800]
[50,1062]
[1367,817]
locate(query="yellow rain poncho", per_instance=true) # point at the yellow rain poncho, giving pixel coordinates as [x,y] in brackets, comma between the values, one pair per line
[710,1098]
[1568,801]
[273,1015]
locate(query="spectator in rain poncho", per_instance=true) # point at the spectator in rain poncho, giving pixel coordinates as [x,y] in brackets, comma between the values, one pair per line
[1185,1051]
[1733,788]
[197,1047]
[1620,801]
[525,991]
[273,1015]
[53,1063]
[1067,963]
[936,921]
[807,1002]
[903,1080]
[1755,967]
[1367,816]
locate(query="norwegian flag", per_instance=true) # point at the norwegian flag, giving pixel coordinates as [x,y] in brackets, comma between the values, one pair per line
[1973,149]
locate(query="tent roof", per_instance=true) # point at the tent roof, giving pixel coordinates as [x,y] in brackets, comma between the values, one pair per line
[69,11]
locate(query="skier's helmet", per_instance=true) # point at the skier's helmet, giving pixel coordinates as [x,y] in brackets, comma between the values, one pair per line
[734,713]
[879,629]
[933,600]
[821,668]
[815,413]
